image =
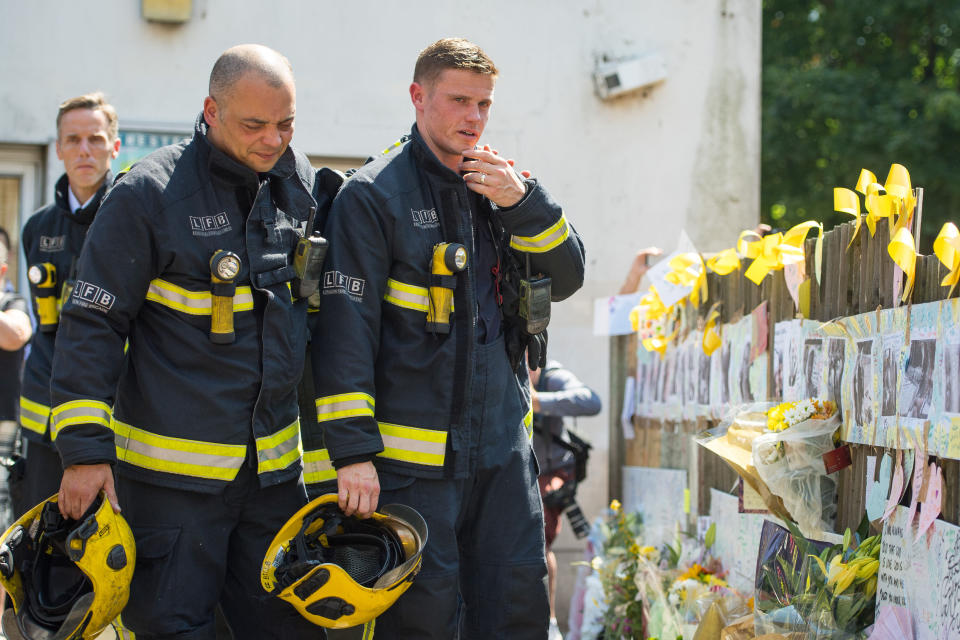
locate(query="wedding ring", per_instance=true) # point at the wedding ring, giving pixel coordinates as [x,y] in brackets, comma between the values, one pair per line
[483,177]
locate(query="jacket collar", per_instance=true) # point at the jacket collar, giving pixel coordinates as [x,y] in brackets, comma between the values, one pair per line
[429,161]
[83,215]
[228,170]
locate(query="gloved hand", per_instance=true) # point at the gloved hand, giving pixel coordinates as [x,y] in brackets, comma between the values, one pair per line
[537,350]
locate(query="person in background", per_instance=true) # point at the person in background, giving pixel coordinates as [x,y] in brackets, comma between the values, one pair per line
[555,393]
[15,332]
[87,140]
[638,268]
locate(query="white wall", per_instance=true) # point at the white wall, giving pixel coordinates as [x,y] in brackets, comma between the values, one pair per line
[630,172]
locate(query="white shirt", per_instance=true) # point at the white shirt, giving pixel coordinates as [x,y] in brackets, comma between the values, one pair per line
[75,202]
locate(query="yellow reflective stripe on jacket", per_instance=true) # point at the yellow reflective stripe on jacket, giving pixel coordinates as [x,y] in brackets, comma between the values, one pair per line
[33,415]
[179,456]
[412,444]
[528,422]
[544,241]
[317,467]
[79,412]
[407,296]
[279,450]
[344,405]
[196,303]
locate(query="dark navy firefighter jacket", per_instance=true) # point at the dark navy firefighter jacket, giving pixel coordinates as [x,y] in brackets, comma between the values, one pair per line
[388,388]
[187,412]
[52,235]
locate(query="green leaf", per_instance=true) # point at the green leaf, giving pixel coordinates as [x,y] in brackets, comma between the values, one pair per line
[846,540]
[820,563]
[711,535]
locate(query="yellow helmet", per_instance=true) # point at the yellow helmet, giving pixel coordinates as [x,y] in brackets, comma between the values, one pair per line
[340,571]
[66,578]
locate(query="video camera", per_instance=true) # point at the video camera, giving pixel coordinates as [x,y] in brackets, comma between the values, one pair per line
[565,498]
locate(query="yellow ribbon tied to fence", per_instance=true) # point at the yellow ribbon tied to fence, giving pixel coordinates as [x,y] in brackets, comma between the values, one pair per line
[847,201]
[659,344]
[893,199]
[776,250]
[724,262]
[688,270]
[748,243]
[903,251]
[711,338]
[947,249]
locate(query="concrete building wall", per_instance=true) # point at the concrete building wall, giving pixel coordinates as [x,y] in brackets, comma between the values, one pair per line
[630,172]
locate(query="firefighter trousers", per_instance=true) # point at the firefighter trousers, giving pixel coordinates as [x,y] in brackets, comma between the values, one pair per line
[197,550]
[484,573]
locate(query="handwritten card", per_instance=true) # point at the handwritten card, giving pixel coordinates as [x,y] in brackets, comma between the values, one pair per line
[924,579]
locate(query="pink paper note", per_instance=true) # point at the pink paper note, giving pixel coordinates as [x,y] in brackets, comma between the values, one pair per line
[931,501]
[893,623]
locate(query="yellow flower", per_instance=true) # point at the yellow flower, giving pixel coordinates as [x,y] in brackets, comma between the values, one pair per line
[695,572]
[615,504]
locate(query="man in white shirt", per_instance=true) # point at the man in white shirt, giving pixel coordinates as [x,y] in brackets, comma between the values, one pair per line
[87,140]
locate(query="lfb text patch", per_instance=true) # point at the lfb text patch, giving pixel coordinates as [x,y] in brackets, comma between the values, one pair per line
[52,244]
[92,297]
[425,218]
[336,282]
[210,225]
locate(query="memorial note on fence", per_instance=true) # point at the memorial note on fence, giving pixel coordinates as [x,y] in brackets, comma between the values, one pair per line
[658,494]
[923,577]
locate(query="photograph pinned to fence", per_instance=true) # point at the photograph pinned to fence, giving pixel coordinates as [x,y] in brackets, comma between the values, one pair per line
[862,420]
[655,390]
[741,334]
[704,368]
[674,399]
[691,375]
[780,355]
[891,367]
[951,372]
[836,356]
[643,380]
[718,377]
[916,385]
[787,341]
[918,369]
[812,367]
[722,375]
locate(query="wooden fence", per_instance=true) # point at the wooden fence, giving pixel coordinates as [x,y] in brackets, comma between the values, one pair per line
[853,280]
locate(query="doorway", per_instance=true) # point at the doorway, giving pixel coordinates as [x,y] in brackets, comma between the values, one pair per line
[21,193]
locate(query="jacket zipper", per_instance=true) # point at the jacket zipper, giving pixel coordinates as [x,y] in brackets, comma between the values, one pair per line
[263,324]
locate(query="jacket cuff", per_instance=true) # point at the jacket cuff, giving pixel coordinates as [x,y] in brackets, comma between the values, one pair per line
[86,444]
[349,460]
[535,212]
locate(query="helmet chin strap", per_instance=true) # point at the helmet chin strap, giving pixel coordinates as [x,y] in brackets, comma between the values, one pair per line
[345,541]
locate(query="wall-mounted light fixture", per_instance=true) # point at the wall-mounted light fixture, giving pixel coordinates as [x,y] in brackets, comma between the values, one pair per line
[170,11]
[612,79]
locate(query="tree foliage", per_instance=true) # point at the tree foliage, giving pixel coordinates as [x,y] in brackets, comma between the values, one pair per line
[856,83]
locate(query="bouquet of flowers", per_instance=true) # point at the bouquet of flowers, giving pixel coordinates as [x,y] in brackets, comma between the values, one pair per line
[788,457]
[623,554]
[815,588]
